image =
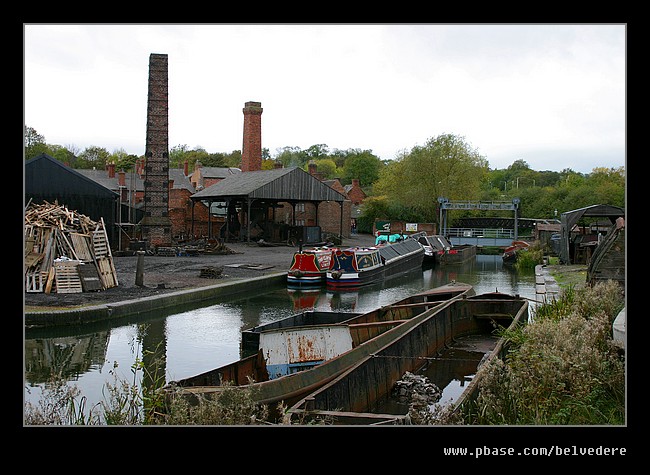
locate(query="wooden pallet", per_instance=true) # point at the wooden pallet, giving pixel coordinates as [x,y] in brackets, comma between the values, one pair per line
[82,246]
[90,280]
[106,272]
[67,278]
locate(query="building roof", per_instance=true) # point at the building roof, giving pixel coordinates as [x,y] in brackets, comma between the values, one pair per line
[181,181]
[133,181]
[218,172]
[44,174]
[278,184]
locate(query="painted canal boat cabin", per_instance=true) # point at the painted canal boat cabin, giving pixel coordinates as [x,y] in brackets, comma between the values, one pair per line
[308,267]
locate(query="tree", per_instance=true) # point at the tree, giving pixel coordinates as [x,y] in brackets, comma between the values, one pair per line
[291,157]
[445,166]
[34,143]
[362,165]
[326,167]
[122,160]
[94,157]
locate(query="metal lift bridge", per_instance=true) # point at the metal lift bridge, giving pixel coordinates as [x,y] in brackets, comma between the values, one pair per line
[445,205]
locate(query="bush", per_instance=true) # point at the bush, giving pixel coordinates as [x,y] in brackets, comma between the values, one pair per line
[564,369]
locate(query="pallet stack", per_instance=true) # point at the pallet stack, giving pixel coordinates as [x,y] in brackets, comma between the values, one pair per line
[65,251]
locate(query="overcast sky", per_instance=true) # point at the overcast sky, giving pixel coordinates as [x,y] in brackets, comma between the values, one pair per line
[553,95]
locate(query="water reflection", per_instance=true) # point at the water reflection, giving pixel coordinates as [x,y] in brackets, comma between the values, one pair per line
[68,356]
[184,342]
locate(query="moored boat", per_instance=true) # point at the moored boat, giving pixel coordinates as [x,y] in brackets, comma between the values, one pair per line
[294,360]
[438,250]
[352,396]
[308,267]
[510,253]
[355,267]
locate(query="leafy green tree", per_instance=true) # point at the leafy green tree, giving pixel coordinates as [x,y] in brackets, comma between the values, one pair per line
[445,166]
[177,155]
[122,160]
[93,157]
[232,159]
[292,157]
[362,165]
[317,152]
[63,155]
[326,167]
[34,143]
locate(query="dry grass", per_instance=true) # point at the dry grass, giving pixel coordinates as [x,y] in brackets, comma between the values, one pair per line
[563,368]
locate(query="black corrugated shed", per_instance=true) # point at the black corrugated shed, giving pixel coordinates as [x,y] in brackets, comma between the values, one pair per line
[47,179]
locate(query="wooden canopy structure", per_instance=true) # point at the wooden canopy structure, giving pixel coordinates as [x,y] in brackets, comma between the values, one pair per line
[571,218]
[252,194]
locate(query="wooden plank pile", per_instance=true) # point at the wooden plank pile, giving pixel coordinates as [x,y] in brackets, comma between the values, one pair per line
[65,251]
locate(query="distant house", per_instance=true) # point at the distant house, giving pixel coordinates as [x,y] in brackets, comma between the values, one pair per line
[202,177]
[355,193]
[115,196]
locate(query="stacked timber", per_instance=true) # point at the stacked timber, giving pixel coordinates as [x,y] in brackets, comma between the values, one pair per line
[65,251]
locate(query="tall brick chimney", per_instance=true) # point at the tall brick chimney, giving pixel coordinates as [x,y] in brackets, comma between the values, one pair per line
[251,157]
[156,225]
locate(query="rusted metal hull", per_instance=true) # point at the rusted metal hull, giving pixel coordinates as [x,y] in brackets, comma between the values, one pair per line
[369,332]
[357,390]
[250,341]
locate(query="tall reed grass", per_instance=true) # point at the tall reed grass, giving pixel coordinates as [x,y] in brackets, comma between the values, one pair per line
[562,369]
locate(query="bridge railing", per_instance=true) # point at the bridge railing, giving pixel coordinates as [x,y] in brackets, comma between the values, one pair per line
[499,233]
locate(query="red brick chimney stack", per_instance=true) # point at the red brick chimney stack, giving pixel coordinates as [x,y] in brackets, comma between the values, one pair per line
[111,170]
[251,159]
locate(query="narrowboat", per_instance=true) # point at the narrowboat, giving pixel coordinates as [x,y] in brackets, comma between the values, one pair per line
[355,267]
[308,267]
[438,250]
[510,253]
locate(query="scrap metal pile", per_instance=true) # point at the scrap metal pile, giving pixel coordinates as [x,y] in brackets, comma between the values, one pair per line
[65,251]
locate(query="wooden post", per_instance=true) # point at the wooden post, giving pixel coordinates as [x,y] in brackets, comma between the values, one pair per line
[139,269]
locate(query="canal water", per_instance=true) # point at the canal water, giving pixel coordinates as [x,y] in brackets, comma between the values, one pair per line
[166,346]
